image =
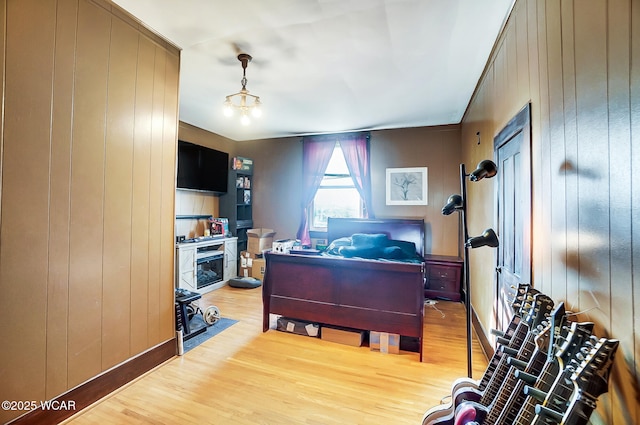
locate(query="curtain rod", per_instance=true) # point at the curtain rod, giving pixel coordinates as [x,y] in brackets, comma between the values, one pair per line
[367,134]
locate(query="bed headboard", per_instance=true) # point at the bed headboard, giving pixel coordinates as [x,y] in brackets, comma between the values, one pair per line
[411,230]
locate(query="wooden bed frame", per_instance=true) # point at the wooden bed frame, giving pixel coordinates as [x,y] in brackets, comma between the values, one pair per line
[382,296]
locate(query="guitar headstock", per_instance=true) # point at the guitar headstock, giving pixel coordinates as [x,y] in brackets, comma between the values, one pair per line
[541,308]
[517,301]
[546,339]
[578,340]
[523,299]
[592,376]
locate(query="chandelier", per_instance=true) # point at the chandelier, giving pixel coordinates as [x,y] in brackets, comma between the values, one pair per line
[242,101]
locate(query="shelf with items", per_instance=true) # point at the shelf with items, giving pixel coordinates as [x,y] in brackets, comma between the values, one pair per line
[237,204]
[244,197]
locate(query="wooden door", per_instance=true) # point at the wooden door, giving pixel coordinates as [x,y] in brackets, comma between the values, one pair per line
[512,148]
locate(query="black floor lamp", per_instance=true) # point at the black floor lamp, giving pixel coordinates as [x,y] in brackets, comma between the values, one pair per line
[485,169]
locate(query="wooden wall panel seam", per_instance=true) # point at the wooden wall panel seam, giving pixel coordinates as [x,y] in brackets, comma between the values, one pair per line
[117,194]
[170,138]
[571,149]
[635,200]
[620,201]
[60,199]
[87,183]
[140,197]
[3,65]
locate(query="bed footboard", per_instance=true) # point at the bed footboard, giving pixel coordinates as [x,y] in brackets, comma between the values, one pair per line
[360,294]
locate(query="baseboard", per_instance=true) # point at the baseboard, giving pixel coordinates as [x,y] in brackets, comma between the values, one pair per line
[91,391]
[482,335]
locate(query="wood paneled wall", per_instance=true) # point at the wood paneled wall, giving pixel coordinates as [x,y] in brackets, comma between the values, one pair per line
[577,62]
[87,193]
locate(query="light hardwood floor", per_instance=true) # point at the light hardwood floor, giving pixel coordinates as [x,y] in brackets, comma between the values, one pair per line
[245,376]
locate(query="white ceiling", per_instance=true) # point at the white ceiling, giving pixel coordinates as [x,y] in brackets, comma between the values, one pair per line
[326,66]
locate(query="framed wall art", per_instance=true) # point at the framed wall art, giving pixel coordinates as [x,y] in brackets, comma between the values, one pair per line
[407,186]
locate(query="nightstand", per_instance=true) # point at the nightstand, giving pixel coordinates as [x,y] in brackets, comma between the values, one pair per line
[443,277]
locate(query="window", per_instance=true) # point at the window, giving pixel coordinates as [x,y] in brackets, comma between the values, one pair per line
[337,196]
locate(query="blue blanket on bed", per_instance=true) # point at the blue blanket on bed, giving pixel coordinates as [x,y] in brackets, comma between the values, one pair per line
[374,246]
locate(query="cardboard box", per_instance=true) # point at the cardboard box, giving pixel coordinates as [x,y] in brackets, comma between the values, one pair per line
[299,327]
[283,246]
[353,337]
[245,271]
[246,258]
[257,268]
[259,240]
[384,342]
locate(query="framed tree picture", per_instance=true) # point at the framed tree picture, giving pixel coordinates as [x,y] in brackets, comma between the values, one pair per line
[407,186]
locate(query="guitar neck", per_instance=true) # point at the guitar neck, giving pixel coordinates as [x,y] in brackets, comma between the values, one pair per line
[559,395]
[497,355]
[503,381]
[509,411]
[557,383]
[546,379]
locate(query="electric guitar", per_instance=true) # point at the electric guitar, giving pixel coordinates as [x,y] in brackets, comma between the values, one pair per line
[559,393]
[537,372]
[531,358]
[542,306]
[522,308]
[535,390]
[574,337]
[538,311]
[589,380]
[521,304]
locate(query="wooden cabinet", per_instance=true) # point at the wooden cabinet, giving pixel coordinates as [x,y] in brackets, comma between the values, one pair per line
[186,270]
[206,264]
[443,277]
[230,258]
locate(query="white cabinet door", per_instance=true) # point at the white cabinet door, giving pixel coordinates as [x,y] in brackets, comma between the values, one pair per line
[230,258]
[187,268]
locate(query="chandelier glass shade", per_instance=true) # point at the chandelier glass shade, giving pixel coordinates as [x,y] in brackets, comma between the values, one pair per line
[243,102]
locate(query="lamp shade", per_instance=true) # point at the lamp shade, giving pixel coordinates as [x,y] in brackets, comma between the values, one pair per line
[488,238]
[485,169]
[453,203]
